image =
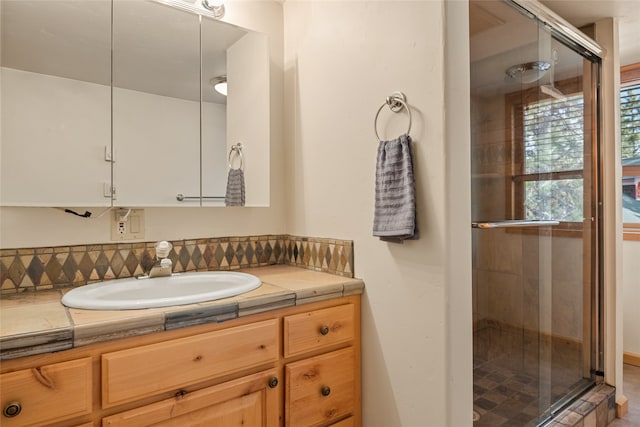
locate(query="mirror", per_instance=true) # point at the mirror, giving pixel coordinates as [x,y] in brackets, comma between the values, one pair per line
[247,110]
[55,103]
[156,103]
[137,114]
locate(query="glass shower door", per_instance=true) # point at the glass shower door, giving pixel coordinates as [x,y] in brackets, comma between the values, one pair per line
[534,212]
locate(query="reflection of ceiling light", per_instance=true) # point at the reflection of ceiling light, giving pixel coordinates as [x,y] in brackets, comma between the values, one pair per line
[528,72]
[215,6]
[220,84]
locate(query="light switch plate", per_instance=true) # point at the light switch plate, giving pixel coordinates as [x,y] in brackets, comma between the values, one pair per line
[127,226]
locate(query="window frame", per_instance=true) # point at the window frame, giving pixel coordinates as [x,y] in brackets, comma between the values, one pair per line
[514,140]
[630,75]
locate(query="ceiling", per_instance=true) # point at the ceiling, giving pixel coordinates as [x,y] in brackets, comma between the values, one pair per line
[582,12]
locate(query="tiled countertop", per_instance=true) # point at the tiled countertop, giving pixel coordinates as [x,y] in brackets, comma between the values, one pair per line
[38,323]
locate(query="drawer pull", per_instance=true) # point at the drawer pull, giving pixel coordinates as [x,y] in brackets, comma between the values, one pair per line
[273,382]
[326,391]
[324,330]
[12,409]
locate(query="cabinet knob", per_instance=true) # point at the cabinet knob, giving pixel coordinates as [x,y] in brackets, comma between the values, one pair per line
[273,382]
[324,330]
[12,409]
[326,391]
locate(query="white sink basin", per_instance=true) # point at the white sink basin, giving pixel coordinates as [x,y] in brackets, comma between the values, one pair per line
[178,289]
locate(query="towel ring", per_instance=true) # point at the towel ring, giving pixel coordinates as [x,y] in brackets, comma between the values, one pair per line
[237,148]
[396,102]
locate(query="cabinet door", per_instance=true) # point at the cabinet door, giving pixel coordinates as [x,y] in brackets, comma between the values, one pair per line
[320,390]
[46,394]
[250,401]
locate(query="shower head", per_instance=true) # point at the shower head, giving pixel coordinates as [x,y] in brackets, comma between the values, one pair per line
[528,72]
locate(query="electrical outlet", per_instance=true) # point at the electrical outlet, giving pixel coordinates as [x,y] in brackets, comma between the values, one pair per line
[127,224]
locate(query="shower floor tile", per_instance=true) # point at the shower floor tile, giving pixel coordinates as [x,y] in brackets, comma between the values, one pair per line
[507,387]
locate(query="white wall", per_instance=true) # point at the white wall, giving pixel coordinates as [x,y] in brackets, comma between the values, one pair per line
[606,34]
[631,296]
[27,227]
[342,58]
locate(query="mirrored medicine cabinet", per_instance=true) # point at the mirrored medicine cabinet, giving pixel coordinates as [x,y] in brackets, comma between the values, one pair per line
[111,103]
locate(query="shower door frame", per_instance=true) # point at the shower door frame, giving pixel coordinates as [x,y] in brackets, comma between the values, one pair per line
[591,227]
[593,277]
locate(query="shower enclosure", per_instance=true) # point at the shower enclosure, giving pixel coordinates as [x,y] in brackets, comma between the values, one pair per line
[534,145]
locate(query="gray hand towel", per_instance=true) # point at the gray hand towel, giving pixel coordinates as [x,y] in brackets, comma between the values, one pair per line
[235,188]
[395,207]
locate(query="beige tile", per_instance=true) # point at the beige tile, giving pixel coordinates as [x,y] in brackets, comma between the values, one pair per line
[264,295]
[90,318]
[30,298]
[316,298]
[295,277]
[353,287]
[36,312]
[590,419]
[246,311]
[141,324]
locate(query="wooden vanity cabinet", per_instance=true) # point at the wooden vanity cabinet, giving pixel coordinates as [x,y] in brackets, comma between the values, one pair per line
[322,390]
[297,367]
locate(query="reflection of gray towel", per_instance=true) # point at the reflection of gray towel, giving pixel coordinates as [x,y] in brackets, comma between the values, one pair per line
[395,208]
[235,188]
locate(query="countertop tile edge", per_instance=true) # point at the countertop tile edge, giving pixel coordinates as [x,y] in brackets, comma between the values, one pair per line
[20,345]
[77,335]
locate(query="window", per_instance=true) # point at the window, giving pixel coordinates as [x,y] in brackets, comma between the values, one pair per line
[549,142]
[630,141]
[553,159]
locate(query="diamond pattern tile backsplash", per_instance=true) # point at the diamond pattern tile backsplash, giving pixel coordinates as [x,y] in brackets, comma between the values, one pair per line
[33,269]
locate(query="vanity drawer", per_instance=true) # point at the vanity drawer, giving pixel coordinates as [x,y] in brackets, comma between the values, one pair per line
[318,329]
[47,393]
[149,370]
[320,389]
[252,401]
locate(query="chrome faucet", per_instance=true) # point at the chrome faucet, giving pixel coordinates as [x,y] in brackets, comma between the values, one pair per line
[162,265]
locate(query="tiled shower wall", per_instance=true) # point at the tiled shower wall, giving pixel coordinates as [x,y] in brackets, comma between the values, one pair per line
[34,269]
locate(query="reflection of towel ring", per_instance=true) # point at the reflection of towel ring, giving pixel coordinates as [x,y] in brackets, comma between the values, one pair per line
[396,102]
[237,148]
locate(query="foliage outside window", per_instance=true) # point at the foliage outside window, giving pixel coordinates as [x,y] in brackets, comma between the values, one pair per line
[630,141]
[553,159]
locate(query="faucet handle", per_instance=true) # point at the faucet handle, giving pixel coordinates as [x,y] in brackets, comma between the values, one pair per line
[163,248]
